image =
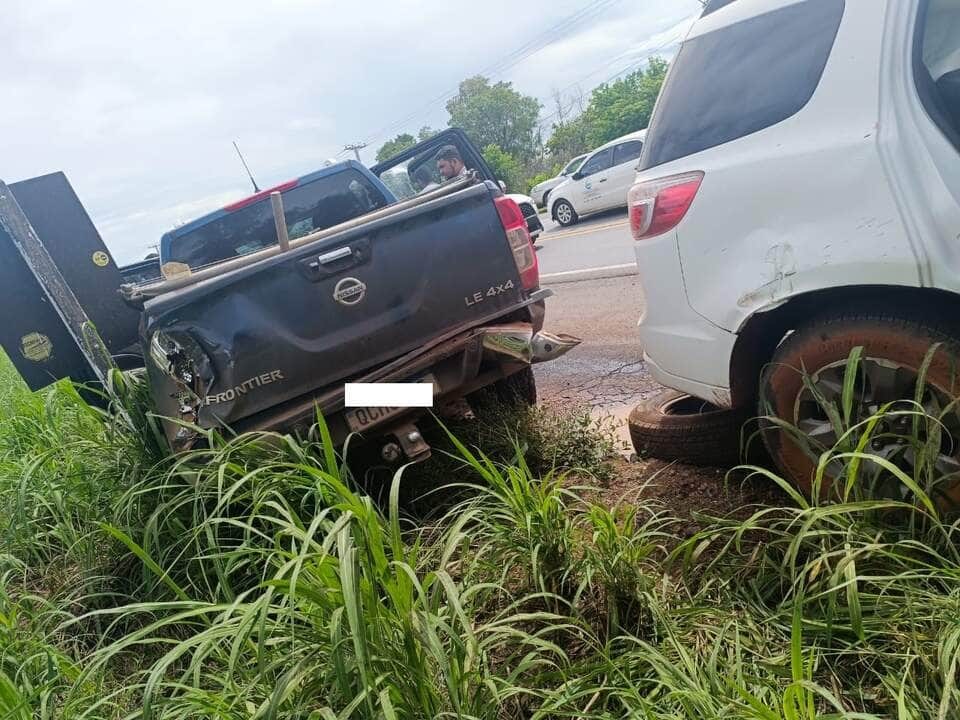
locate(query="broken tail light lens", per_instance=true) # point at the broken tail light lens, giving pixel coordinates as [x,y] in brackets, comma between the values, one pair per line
[657,206]
[521,246]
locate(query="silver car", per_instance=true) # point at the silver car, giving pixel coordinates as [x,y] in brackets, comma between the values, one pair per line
[540,191]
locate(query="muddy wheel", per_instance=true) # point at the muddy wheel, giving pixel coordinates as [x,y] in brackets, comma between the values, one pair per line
[675,426]
[564,213]
[894,349]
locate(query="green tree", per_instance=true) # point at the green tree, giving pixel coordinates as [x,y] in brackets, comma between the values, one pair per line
[615,109]
[504,167]
[400,143]
[624,105]
[426,132]
[496,115]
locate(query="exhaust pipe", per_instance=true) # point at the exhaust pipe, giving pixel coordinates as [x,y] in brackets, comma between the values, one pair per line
[518,342]
[549,346]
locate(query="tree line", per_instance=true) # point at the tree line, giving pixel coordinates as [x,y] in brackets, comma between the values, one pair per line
[509,127]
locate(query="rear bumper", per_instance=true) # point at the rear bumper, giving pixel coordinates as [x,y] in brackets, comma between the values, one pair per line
[459,366]
[719,396]
[682,350]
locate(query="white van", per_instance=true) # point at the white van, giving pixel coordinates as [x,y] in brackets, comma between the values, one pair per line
[602,181]
[798,197]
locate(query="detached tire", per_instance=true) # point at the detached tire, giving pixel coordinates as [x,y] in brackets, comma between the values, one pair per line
[675,426]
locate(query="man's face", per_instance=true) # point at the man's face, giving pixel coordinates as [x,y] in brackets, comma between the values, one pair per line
[449,168]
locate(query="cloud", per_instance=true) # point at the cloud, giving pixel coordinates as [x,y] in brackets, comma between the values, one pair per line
[139,102]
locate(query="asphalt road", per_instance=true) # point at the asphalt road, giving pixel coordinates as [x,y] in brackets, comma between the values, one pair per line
[602,240]
[606,372]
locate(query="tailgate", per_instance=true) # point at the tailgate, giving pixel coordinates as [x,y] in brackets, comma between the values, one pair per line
[324,312]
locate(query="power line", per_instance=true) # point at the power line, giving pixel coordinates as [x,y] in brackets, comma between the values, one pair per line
[632,66]
[356,147]
[514,58]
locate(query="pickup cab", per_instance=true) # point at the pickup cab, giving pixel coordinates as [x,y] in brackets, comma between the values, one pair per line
[437,286]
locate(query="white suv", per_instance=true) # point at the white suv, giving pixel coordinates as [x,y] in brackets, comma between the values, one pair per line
[799,196]
[602,181]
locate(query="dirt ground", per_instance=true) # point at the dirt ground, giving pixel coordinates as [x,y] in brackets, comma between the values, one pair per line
[687,491]
[607,374]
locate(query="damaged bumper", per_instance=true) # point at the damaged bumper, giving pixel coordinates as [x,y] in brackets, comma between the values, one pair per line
[519,341]
[458,367]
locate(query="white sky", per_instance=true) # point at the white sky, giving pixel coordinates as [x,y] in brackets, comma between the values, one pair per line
[138,102]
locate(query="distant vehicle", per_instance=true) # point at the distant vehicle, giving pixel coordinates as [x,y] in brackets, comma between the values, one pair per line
[142,271]
[529,210]
[601,182]
[541,191]
[799,197]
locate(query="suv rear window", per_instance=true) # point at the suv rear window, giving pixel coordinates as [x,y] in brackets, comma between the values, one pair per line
[315,205]
[741,78]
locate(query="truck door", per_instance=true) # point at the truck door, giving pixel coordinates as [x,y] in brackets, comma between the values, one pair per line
[415,169]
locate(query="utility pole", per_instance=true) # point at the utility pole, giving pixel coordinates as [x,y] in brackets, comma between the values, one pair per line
[356,147]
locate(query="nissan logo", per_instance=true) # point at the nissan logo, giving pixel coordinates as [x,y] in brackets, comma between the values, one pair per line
[349,291]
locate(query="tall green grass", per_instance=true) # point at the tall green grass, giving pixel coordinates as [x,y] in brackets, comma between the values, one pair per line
[255,579]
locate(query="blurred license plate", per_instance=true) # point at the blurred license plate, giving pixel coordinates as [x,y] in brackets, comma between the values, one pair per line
[362,418]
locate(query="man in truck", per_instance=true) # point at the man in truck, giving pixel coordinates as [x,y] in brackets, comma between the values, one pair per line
[449,163]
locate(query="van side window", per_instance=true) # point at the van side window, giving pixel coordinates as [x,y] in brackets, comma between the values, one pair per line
[625,152]
[938,67]
[600,161]
[741,78]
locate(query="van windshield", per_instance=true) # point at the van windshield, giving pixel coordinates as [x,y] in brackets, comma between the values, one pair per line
[312,206]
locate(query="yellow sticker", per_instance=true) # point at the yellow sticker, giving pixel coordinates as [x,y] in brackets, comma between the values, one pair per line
[101,259]
[36,347]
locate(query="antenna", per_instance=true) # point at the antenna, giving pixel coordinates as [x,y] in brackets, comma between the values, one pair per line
[356,147]
[249,174]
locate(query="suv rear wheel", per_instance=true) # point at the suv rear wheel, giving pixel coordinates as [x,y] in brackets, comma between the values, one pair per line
[894,349]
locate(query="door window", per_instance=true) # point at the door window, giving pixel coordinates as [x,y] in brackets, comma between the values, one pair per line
[625,152]
[600,161]
[938,69]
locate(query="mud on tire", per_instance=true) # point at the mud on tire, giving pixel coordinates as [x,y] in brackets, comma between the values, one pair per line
[896,338]
[675,426]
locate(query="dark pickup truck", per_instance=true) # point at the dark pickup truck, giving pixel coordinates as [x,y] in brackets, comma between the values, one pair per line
[438,286]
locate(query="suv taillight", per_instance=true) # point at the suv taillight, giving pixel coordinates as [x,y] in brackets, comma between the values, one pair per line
[521,246]
[656,206]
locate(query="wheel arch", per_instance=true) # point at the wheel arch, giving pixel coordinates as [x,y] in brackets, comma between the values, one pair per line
[761,333]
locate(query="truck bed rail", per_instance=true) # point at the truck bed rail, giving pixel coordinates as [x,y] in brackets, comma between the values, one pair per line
[141,293]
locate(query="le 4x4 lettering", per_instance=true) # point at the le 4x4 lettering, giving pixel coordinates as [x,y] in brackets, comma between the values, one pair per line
[480,295]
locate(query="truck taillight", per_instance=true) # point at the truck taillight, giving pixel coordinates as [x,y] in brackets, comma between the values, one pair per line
[657,206]
[524,255]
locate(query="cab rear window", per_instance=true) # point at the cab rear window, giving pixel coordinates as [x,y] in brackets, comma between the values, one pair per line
[741,79]
[316,205]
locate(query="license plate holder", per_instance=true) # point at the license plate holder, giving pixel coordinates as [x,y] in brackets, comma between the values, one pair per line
[363,418]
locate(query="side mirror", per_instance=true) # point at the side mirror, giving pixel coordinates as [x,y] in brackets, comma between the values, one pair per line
[577,175]
[502,184]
